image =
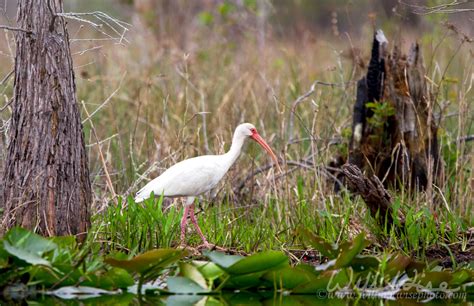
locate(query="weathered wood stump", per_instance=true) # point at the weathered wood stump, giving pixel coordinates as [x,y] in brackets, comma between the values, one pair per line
[375,196]
[393,130]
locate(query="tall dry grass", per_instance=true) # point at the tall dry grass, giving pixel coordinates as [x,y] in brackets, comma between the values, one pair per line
[154,101]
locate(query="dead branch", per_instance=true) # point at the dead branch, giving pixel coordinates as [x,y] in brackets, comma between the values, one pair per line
[375,196]
[15,29]
[447,8]
[303,97]
[118,27]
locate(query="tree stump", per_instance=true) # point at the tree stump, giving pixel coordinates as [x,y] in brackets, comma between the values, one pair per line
[46,184]
[394,131]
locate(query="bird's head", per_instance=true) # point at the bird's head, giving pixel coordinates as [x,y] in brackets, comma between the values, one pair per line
[245,130]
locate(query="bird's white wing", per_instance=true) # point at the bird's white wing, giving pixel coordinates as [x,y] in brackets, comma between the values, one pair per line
[191,177]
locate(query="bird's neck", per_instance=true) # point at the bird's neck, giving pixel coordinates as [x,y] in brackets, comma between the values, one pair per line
[234,151]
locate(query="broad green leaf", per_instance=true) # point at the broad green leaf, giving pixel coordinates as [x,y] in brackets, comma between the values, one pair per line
[24,254]
[244,281]
[259,262]
[289,277]
[223,260]
[28,241]
[112,279]
[65,242]
[48,277]
[208,269]
[363,263]
[436,279]
[459,278]
[180,284]
[191,272]
[159,258]
[324,247]
[350,251]
[415,267]
[327,281]
[397,265]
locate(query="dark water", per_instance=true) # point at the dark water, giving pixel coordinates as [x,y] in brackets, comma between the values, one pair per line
[225,299]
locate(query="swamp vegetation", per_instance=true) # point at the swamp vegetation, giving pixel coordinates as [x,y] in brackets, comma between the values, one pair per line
[159,82]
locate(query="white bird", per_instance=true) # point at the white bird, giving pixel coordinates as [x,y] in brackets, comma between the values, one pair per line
[192,177]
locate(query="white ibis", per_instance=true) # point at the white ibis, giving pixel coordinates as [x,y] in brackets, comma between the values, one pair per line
[192,177]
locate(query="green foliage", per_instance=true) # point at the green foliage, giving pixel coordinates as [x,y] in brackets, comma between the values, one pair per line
[206,18]
[345,268]
[381,111]
[139,226]
[66,271]
[54,262]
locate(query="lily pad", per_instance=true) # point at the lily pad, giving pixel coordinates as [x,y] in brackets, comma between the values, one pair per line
[191,272]
[350,251]
[159,258]
[223,260]
[259,262]
[397,265]
[460,277]
[327,249]
[25,254]
[245,281]
[183,285]
[21,238]
[436,279]
[363,263]
[327,281]
[27,246]
[289,277]
[208,269]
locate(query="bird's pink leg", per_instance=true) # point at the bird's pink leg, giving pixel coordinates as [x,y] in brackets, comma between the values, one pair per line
[198,229]
[184,221]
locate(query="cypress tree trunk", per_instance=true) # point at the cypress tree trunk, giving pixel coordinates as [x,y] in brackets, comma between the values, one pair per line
[46,183]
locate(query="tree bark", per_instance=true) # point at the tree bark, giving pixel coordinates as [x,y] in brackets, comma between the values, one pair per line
[395,136]
[46,184]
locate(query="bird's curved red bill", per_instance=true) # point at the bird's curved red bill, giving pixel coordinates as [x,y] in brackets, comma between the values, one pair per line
[255,136]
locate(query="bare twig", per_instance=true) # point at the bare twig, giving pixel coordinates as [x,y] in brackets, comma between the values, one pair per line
[102,141]
[102,158]
[447,8]
[15,29]
[304,97]
[105,102]
[7,77]
[110,22]
[305,163]
[87,50]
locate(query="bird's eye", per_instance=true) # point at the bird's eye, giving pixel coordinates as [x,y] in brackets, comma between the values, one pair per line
[253,130]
